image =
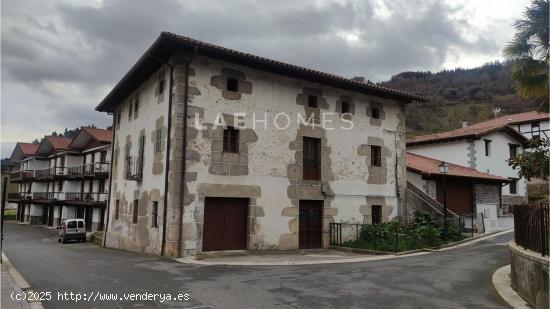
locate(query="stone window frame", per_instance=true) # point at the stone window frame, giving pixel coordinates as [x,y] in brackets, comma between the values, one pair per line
[375,155]
[339,105]
[381,113]
[303,99]
[376,200]
[220,81]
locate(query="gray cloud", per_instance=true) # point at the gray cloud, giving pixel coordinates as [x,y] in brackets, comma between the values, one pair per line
[53,45]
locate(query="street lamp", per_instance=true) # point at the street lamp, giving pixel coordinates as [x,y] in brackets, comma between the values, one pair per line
[444,169]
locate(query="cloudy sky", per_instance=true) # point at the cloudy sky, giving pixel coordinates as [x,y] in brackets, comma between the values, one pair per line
[60,58]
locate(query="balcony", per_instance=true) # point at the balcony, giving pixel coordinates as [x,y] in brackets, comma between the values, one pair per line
[43,197]
[18,196]
[90,170]
[85,198]
[22,176]
[50,173]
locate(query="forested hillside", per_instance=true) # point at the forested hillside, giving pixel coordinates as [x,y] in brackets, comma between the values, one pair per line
[457,95]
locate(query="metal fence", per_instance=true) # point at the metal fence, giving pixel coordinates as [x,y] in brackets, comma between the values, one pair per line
[398,237]
[531,226]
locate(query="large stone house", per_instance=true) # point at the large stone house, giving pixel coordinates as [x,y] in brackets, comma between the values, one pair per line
[257,175]
[63,178]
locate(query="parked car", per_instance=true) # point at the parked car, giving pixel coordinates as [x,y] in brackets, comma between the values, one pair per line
[72,229]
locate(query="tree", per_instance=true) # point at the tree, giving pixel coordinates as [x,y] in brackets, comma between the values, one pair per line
[529,53]
[534,161]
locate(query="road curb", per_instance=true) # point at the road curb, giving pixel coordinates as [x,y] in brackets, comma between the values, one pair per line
[187,260]
[503,285]
[19,280]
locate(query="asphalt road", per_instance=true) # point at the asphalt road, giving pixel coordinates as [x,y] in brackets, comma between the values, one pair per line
[457,278]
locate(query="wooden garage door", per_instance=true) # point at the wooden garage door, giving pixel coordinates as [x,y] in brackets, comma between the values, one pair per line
[311,224]
[459,196]
[225,222]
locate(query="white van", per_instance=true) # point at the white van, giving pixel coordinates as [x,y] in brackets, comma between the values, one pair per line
[72,229]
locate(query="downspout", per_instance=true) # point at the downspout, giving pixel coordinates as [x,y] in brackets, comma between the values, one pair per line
[168,139]
[184,154]
[113,136]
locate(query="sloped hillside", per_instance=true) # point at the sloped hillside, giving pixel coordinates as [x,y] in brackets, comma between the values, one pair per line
[458,95]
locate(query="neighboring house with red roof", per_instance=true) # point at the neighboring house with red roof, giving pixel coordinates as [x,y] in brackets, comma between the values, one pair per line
[486,147]
[468,190]
[63,178]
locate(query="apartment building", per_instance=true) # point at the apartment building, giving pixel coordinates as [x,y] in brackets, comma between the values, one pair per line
[63,178]
[216,149]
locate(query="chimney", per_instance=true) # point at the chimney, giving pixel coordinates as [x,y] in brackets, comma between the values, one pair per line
[359,79]
[464,123]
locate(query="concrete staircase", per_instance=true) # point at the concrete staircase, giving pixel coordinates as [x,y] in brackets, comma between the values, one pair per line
[418,200]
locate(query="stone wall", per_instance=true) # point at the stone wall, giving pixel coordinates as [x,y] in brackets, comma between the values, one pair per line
[529,275]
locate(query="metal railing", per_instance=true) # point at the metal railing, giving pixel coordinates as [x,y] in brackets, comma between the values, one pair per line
[531,226]
[89,169]
[85,197]
[19,195]
[43,196]
[397,237]
[20,175]
[49,172]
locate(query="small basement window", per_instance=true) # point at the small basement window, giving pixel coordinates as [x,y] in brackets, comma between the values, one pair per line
[231,140]
[135,214]
[312,101]
[345,107]
[375,112]
[232,84]
[154,214]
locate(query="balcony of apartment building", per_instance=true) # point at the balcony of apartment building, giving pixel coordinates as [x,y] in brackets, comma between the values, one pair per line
[22,176]
[85,198]
[96,170]
[43,197]
[14,197]
[52,173]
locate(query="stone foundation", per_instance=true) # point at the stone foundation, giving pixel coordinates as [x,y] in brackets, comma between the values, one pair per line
[529,275]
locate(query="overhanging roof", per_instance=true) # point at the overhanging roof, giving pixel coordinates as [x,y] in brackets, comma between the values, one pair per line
[167,44]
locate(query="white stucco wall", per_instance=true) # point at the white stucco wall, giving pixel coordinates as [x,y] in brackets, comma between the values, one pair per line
[454,152]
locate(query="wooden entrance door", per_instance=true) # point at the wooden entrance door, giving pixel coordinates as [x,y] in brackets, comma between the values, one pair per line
[50,215]
[311,224]
[459,196]
[225,224]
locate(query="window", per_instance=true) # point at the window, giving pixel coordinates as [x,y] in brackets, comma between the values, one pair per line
[232,84]
[161,86]
[130,109]
[141,149]
[158,140]
[118,119]
[535,126]
[513,150]
[103,157]
[231,140]
[71,225]
[136,105]
[135,215]
[487,147]
[513,186]
[375,155]
[312,158]
[80,224]
[345,107]
[60,186]
[375,113]
[154,214]
[117,208]
[312,101]
[376,214]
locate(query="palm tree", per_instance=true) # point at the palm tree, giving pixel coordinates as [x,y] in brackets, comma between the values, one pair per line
[529,53]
